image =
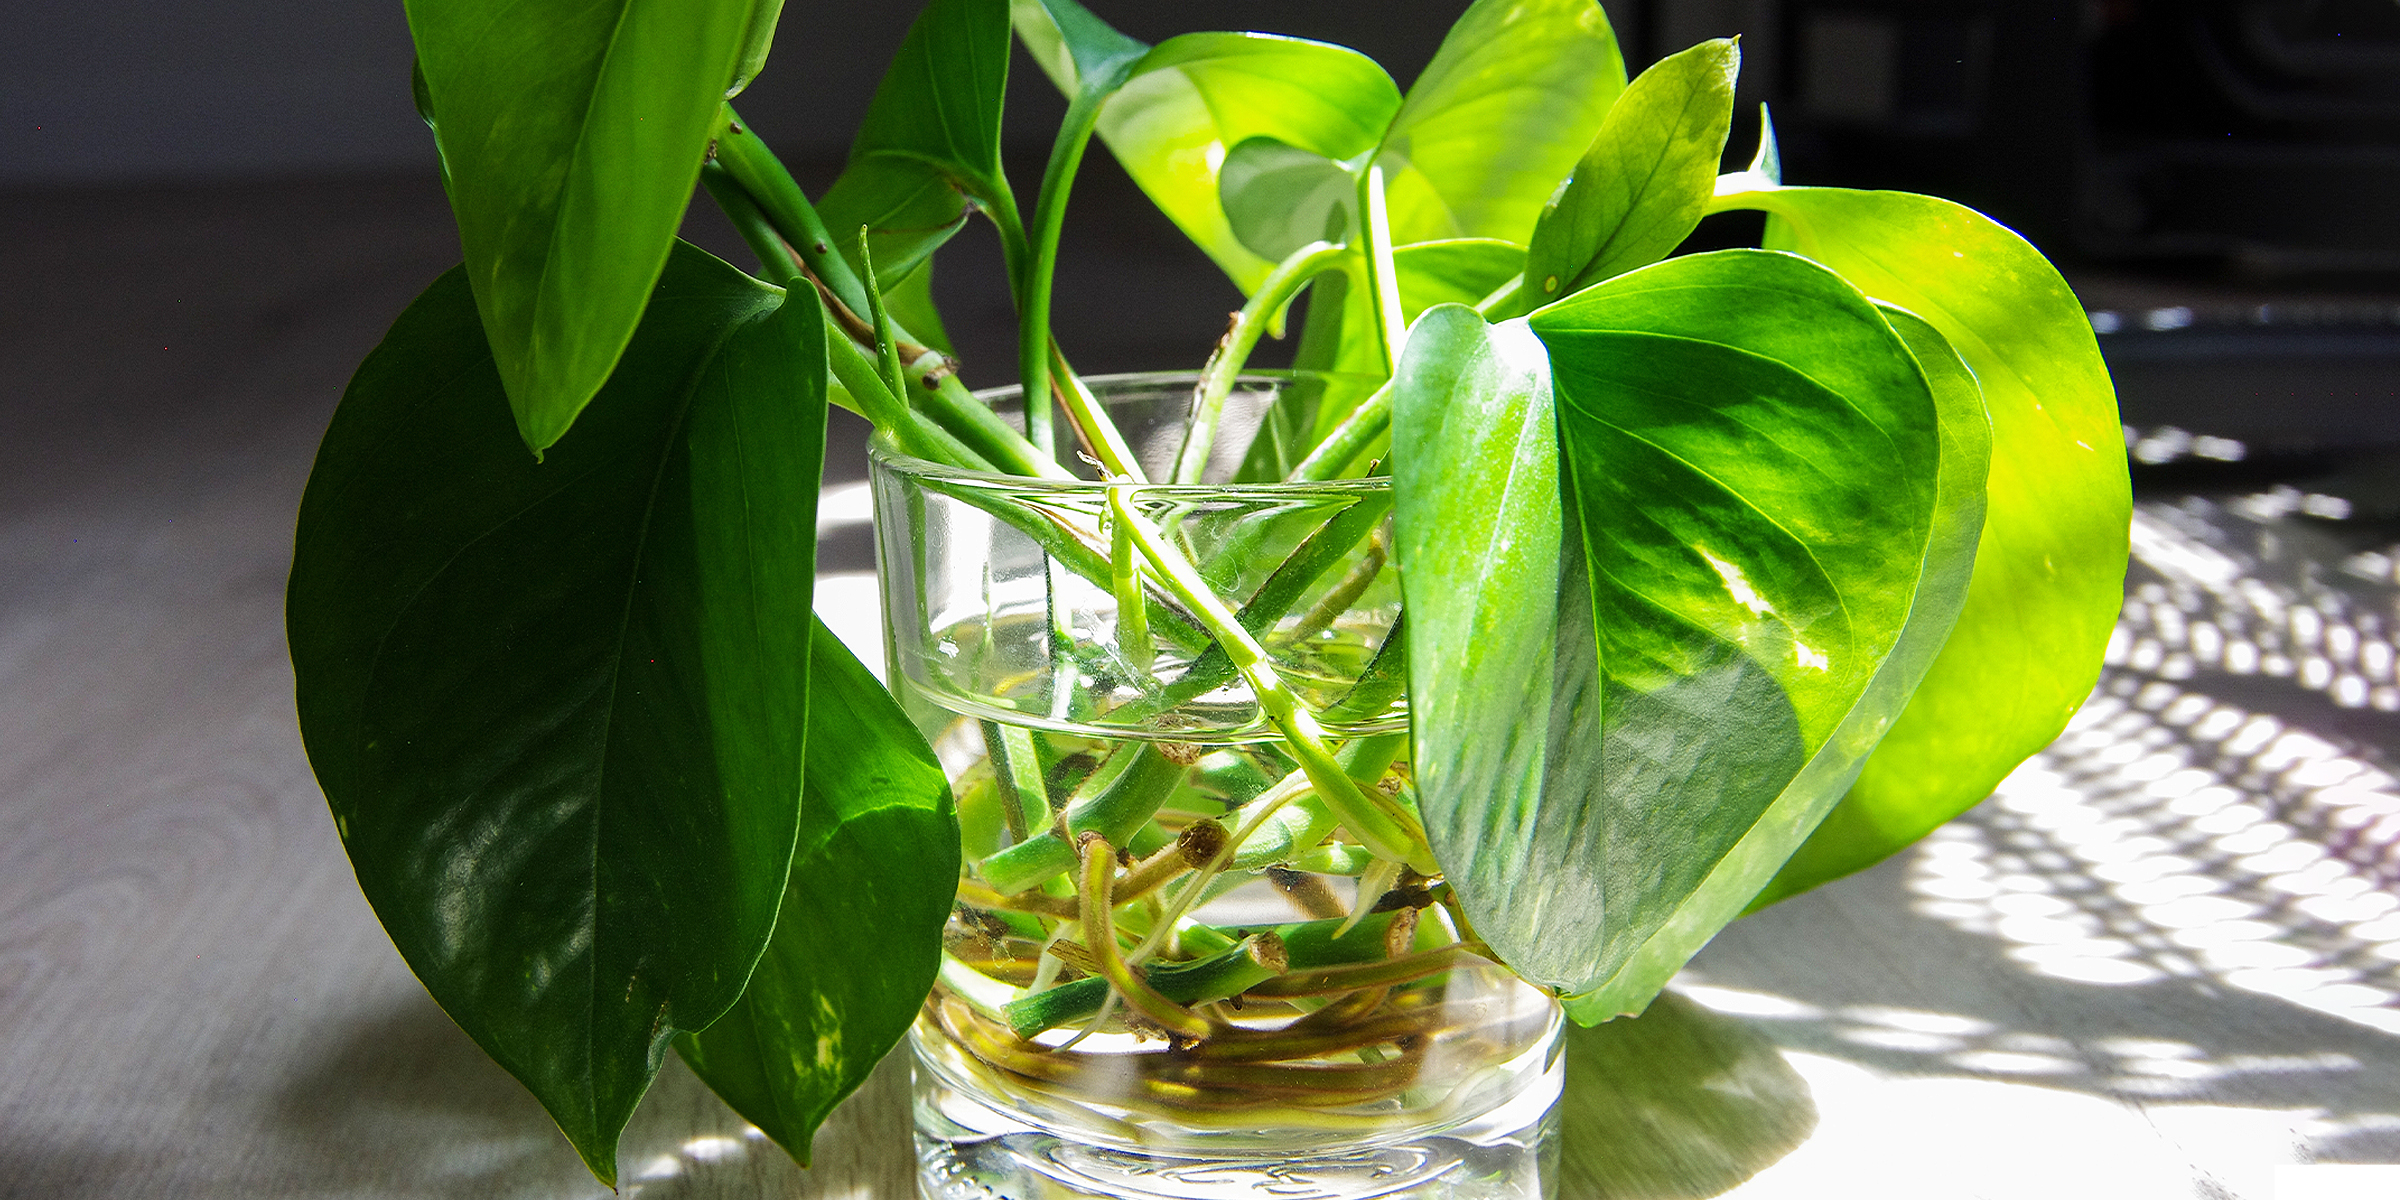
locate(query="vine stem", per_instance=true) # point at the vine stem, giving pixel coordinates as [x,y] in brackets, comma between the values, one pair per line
[1383,276]
[1033,284]
[1133,621]
[1347,444]
[1100,434]
[1216,381]
[787,230]
[1385,828]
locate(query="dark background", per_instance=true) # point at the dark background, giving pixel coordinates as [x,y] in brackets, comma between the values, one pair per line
[2219,178]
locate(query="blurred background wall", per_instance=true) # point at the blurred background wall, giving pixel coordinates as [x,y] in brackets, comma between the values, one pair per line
[2219,178]
[2263,132]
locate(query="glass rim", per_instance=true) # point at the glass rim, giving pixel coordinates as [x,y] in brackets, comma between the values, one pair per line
[881,455]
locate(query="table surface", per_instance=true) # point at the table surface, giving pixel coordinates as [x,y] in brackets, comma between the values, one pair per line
[2163,961]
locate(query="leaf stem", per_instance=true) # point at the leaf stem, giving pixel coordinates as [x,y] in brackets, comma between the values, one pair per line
[1348,443]
[1383,277]
[1382,826]
[1092,422]
[1216,381]
[762,180]
[746,157]
[1035,276]
[887,342]
[1133,621]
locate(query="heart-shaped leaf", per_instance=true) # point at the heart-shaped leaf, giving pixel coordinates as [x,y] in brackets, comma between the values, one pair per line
[1075,49]
[571,136]
[860,936]
[2050,572]
[929,149]
[1642,186]
[1189,100]
[1510,100]
[1755,472]
[557,706]
[1476,519]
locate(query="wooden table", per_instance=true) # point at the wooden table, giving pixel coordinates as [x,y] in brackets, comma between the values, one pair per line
[2163,962]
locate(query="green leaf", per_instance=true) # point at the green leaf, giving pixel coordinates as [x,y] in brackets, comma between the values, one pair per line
[1771,537]
[2050,572]
[1476,519]
[757,39]
[1074,48]
[1499,117]
[1678,1102]
[556,706]
[1642,186]
[910,302]
[1279,197]
[856,947]
[571,135]
[1191,99]
[1462,271]
[928,152]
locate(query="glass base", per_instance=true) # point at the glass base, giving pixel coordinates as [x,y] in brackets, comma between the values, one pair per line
[971,1147]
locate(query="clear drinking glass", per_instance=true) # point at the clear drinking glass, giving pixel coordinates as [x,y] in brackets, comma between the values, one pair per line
[1343,1057]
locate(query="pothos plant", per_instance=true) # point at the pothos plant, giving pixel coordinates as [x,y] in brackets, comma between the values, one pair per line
[1726,573]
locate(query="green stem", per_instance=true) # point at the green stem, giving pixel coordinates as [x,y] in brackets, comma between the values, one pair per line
[1343,449]
[1115,809]
[1254,960]
[746,157]
[1033,285]
[887,340]
[1216,382]
[1098,430]
[1381,826]
[761,177]
[974,423]
[911,430]
[1017,770]
[775,259]
[1133,621]
[1382,276]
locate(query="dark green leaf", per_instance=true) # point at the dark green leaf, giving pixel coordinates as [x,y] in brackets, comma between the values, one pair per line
[556,706]
[1279,198]
[1755,462]
[2050,572]
[860,935]
[1642,186]
[1510,100]
[571,135]
[929,149]
[1679,1103]
[757,38]
[910,302]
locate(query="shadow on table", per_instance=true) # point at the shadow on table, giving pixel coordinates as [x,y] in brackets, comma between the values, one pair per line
[409,1106]
[2189,899]
[28,1170]
[1679,1103]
